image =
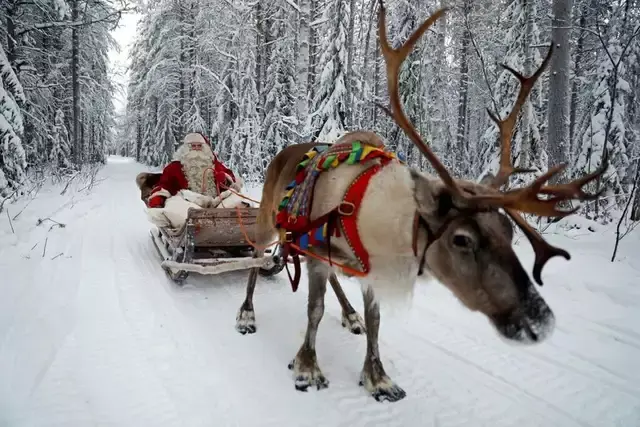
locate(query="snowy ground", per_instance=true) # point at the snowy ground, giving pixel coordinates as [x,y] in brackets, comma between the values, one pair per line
[92,333]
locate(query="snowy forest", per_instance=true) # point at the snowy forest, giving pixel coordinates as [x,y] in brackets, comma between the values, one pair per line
[256,76]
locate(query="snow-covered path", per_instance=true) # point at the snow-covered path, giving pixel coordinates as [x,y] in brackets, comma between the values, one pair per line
[92,333]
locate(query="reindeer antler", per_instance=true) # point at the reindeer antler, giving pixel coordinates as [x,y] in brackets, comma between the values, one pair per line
[514,202]
[508,125]
[394,59]
[526,199]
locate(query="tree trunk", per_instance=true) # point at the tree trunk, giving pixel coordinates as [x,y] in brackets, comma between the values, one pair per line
[558,129]
[267,47]
[376,82]
[313,52]
[302,61]
[11,34]
[576,74]
[525,153]
[258,65]
[138,139]
[193,52]
[349,71]
[183,74]
[463,88]
[370,110]
[75,84]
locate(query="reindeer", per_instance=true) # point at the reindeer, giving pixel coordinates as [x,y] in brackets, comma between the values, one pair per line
[465,240]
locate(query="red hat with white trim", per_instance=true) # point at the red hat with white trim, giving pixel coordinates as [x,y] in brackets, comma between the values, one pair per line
[195,137]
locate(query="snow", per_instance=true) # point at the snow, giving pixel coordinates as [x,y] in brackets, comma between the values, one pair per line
[92,332]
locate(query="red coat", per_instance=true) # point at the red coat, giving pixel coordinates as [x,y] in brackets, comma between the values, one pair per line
[174,180]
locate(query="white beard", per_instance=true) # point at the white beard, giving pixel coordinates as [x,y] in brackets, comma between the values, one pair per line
[194,165]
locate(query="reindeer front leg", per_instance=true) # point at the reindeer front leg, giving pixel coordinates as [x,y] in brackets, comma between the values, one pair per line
[305,365]
[373,376]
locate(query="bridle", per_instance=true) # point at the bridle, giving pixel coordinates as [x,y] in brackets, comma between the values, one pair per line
[432,236]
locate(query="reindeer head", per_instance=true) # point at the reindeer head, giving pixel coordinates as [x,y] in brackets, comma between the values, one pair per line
[145,182]
[469,247]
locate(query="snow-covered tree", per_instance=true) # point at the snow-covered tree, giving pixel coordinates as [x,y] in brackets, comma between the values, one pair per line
[327,119]
[410,84]
[521,52]
[60,154]
[256,76]
[606,130]
[12,155]
[280,119]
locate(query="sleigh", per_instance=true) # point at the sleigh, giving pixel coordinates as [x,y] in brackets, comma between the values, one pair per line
[214,241]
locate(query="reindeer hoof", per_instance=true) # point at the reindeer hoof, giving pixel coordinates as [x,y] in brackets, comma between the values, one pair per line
[308,377]
[392,394]
[246,322]
[383,390]
[354,323]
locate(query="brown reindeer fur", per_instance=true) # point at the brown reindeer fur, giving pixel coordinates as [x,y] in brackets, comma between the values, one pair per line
[145,182]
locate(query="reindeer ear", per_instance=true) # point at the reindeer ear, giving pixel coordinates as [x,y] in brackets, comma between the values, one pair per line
[445,202]
[147,179]
[432,197]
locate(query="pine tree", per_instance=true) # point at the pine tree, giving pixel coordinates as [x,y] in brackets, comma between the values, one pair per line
[605,131]
[12,154]
[247,153]
[60,154]
[280,119]
[328,113]
[410,84]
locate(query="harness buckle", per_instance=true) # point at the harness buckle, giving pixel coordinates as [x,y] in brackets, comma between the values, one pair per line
[351,208]
[288,237]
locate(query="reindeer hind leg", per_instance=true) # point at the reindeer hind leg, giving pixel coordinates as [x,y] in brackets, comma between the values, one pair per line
[350,317]
[246,317]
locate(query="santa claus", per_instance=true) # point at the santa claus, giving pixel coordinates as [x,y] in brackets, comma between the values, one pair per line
[196,168]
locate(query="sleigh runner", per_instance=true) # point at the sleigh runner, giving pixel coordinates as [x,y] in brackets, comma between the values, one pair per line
[214,241]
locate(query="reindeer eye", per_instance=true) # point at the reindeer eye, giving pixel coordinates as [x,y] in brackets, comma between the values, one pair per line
[462,241]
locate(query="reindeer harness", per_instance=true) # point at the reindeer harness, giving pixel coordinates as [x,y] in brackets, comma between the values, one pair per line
[298,231]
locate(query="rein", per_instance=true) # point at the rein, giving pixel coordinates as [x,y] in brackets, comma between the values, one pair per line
[432,236]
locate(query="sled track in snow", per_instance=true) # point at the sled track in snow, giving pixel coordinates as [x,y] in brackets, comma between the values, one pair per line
[101,336]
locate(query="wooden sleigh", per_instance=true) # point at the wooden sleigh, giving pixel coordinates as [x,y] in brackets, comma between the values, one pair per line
[214,241]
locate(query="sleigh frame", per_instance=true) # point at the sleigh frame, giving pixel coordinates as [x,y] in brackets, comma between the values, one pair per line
[214,241]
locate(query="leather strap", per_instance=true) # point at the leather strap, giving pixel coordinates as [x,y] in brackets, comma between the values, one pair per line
[432,236]
[291,237]
[295,280]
